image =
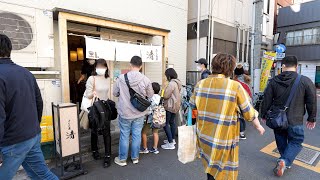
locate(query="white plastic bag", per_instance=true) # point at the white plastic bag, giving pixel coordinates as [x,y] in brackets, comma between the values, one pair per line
[187,149]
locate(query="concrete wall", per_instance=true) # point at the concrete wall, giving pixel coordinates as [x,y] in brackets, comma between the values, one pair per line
[165,14]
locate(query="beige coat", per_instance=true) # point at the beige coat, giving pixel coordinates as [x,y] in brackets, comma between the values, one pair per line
[172,96]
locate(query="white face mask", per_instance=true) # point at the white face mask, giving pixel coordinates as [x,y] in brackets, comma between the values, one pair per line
[91,61]
[199,68]
[101,71]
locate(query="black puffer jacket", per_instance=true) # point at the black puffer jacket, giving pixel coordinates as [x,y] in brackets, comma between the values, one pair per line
[277,93]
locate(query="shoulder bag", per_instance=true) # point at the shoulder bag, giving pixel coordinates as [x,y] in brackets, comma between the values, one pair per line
[277,117]
[137,101]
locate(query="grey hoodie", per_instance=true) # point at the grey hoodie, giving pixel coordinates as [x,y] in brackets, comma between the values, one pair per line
[138,82]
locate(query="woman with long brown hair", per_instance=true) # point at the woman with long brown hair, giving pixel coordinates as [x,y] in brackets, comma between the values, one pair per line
[218,100]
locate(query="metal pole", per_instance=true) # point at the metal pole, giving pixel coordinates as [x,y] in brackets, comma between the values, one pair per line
[212,36]
[209,32]
[243,44]
[198,29]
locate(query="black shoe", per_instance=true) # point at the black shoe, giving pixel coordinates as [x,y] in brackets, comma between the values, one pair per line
[106,162]
[96,155]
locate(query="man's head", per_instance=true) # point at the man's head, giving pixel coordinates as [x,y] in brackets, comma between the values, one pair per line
[289,63]
[136,63]
[223,64]
[202,64]
[239,70]
[5,46]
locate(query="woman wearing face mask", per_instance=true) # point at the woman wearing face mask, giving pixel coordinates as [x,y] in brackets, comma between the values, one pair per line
[98,85]
[87,69]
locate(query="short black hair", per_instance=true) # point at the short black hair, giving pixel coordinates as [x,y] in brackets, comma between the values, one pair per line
[290,61]
[5,46]
[136,61]
[104,63]
[156,87]
[171,74]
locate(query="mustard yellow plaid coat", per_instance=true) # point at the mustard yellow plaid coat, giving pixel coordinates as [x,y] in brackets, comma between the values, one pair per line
[218,100]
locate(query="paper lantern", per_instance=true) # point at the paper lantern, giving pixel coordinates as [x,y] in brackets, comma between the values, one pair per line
[80,54]
[73,56]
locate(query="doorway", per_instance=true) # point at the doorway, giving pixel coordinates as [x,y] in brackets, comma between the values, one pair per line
[78,66]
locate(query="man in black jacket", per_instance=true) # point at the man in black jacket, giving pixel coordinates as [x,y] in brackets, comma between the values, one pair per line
[202,66]
[289,142]
[20,115]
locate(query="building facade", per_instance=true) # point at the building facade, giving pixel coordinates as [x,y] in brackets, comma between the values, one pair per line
[161,23]
[299,28]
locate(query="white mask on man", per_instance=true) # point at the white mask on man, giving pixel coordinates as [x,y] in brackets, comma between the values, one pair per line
[199,68]
[101,71]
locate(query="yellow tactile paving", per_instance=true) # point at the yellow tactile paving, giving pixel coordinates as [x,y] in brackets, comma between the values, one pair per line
[272,146]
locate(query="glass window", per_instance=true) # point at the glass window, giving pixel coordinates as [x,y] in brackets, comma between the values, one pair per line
[297,38]
[289,38]
[316,36]
[308,36]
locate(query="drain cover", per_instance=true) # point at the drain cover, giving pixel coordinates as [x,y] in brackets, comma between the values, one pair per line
[307,155]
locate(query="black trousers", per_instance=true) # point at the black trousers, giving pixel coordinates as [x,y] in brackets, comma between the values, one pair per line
[210,177]
[242,124]
[106,138]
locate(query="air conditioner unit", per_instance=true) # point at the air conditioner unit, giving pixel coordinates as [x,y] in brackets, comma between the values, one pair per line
[31,33]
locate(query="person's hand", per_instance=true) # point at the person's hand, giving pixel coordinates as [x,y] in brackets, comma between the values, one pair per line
[311,125]
[81,79]
[261,129]
[94,94]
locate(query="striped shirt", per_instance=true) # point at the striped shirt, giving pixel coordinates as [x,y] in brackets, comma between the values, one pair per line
[219,100]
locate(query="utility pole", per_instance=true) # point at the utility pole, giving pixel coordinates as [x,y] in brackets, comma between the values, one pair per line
[258,4]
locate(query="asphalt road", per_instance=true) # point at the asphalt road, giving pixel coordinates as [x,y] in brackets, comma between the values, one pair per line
[254,164]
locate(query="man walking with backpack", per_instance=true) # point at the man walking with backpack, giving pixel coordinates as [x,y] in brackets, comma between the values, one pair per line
[131,117]
[289,138]
[20,115]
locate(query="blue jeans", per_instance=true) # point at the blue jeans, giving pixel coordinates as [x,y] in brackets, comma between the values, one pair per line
[289,142]
[28,154]
[170,127]
[135,127]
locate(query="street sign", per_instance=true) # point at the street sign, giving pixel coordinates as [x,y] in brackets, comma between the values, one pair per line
[280,48]
[280,56]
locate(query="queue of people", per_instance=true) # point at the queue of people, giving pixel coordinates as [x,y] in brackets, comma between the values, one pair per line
[222,104]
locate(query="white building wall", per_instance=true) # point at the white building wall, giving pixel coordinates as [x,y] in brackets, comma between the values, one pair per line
[224,11]
[165,14]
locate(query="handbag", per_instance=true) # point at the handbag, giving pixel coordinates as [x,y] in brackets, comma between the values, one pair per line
[159,115]
[84,120]
[277,117]
[187,149]
[137,101]
[85,105]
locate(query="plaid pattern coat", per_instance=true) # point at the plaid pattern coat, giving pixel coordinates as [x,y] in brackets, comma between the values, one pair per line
[219,100]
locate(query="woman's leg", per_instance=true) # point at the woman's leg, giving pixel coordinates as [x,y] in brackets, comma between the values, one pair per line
[94,141]
[173,125]
[167,127]
[107,139]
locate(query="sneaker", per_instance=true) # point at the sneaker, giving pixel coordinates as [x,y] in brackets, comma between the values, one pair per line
[168,146]
[280,168]
[135,161]
[154,150]
[144,151]
[242,136]
[120,162]
[166,141]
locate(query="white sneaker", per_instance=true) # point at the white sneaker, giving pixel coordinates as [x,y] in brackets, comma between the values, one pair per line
[119,162]
[135,161]
[166,141]
[168,146]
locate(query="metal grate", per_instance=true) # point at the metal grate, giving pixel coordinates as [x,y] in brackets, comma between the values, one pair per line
[307,155]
